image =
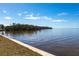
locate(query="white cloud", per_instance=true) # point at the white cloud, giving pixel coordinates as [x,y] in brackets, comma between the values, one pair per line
[4,11]
[62,14]
[25,12]
[58,20]
[7,17]
[19,14]
[29,15]
[46,18]
[32,17]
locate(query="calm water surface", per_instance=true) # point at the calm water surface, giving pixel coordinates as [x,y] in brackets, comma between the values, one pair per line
[56,41]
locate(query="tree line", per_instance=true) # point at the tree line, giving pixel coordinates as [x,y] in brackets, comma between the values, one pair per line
[18,27]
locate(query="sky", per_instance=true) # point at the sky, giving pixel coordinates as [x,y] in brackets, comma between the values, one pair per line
[56,15]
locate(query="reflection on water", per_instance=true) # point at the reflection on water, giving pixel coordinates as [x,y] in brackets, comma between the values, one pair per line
[20,32]
[55,41]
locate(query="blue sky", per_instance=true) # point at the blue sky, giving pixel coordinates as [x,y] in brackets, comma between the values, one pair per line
[57,15]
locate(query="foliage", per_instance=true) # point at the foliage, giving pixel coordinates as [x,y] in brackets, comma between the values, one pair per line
[18,27]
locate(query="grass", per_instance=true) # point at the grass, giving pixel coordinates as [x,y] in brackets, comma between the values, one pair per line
[10,48]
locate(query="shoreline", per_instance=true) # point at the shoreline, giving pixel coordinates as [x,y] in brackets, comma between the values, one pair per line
[33,50]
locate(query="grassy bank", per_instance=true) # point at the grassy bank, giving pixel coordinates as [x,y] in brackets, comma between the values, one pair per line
[10,48]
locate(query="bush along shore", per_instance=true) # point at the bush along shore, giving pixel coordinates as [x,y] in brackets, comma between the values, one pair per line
[19,27]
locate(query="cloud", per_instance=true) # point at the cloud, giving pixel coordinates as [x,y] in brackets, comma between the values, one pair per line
[58,20]
[25,12]
[19,14]
[62,14]
[32,17]
[45,18]
[22,13]
[8,17]
[4,11]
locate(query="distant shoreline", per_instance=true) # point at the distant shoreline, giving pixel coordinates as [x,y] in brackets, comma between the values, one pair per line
[24,27]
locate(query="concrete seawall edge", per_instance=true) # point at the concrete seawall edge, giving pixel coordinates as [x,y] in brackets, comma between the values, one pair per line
[39,51]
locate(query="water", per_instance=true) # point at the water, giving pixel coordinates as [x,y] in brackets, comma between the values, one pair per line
[63,42]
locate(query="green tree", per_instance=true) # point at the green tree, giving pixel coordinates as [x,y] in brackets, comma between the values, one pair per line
[2,27]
